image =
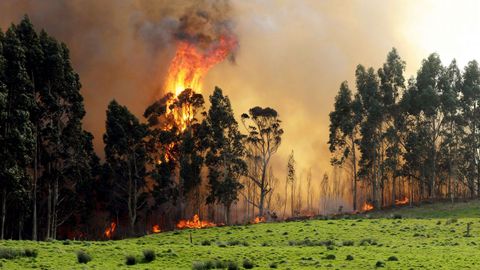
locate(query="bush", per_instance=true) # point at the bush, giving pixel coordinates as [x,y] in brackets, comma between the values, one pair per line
[392,258]
[32,253]
[349,258]
[368,241]
[9,253]
[130,260]
[83,257]
[198,266]
[232,265]
[347,243]
[397,216]
[330,257]
[247,264]
[274,265]
[380,264]
[206,243]
[148,255]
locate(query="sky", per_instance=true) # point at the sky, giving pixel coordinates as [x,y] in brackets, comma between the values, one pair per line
[293,54]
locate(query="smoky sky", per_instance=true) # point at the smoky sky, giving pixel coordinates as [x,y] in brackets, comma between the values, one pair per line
[293,55]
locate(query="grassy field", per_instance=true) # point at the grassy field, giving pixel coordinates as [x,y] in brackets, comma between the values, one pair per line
[428,237]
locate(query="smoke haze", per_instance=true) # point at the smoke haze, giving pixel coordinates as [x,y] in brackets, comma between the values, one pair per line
[293,55]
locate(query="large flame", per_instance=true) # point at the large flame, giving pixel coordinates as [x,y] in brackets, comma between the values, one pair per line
[195,223]
[110,230]
[191,63]
[189,67]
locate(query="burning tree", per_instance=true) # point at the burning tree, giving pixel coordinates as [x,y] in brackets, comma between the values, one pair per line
[263,139]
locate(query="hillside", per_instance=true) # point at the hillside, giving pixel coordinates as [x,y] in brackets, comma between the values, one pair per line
[427,237]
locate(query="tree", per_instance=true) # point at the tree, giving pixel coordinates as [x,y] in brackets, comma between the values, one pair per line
[126,158]
[290,180]
[263,139]
[344,129]
[16,128]
[225,152]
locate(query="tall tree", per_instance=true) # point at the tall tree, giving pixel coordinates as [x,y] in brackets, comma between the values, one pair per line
[126,158]
[225,152]
[344,131]
[263,139]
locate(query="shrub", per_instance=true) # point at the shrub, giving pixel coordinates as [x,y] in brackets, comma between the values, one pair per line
[148,255]
[83,257]
[247,264]
[32,253]
[9,253]
[273,265]
[130,260]
[330,257]
[232,265]
[368,241]
[397,216]
[451,221]
[347,243]
[219,264]
[349,258]
[198,266]
[206,243]
[380,264]
[392,258]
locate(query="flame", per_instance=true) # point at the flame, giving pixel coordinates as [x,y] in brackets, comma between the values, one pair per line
[367,206]
[259,220]
[195,223]
[404,201]
[110,230]
[156,228]
[190,63]
[189,67]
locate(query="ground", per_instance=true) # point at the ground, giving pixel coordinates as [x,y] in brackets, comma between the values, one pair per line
[432,236]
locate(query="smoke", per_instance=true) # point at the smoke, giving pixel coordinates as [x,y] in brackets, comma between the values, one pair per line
[293,57]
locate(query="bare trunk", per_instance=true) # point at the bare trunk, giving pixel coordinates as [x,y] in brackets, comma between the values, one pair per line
[49,211]
[354,175]
[34,190]
[4,212]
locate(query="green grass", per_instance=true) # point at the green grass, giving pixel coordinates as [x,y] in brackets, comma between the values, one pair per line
[432,237]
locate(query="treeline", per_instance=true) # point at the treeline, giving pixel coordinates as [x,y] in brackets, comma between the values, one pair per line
[416,139]
[157,171]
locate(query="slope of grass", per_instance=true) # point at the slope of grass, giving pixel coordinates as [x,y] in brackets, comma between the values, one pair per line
[432,237]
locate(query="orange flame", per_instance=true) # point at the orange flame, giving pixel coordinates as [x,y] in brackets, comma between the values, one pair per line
[189,67]
[195,223]
[190,64]
[402,201]
[367,206]
[110,230]
[156,228]
[259,220]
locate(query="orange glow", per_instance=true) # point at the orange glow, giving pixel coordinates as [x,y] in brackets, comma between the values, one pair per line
[188,69]
[110,230]
[367,206]
[259,220]
[156,228]
[402,202]
[195,223]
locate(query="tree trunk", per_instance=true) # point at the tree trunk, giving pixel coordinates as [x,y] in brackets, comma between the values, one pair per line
[34,189]
[49,211]
[4,212]
[55,209]
[227,214]
[354,175]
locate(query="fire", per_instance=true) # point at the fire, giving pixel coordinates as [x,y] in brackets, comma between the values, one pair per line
[402,202]
[189,67]
[156,228]
[195,223]
[259,220]
[110,230]
[191,63]
[367,206]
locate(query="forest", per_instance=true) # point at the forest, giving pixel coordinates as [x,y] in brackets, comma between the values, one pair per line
[187,162]
[405,141]
[53,185]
